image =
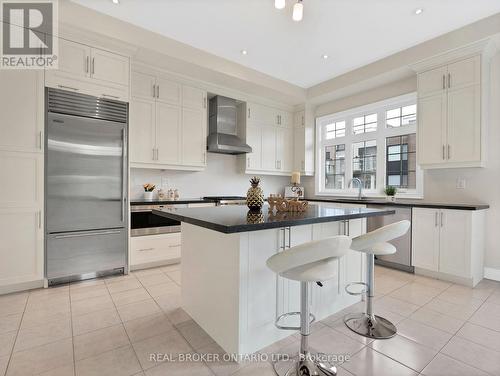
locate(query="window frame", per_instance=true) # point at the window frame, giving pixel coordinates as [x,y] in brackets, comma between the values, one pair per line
[380,136]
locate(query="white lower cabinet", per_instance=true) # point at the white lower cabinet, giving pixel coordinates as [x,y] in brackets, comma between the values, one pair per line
[154,250]
[449,244]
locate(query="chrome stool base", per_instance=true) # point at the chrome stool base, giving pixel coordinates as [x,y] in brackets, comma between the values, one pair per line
[309,365]
[375,327]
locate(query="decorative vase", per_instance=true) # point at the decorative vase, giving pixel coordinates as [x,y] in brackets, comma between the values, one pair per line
[390,198]
[255,195]
[148,196]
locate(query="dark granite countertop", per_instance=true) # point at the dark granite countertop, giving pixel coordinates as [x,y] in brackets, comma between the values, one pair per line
[170,202]
[234,218]
[403,202]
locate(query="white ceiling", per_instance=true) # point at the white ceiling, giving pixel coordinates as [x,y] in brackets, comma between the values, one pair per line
[352,33]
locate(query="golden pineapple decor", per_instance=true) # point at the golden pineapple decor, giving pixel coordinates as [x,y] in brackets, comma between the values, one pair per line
[255,195]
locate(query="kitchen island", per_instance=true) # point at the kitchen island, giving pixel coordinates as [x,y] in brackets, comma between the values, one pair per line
[226,286]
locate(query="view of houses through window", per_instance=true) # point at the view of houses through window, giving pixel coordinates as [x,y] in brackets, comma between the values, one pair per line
[375,143]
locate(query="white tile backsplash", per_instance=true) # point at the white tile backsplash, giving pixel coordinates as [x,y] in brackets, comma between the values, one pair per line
[223,176]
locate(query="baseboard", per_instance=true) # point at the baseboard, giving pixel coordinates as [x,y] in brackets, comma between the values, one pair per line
[23,286]
[492,273]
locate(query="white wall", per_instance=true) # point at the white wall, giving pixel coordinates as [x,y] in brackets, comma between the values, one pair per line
[223,176]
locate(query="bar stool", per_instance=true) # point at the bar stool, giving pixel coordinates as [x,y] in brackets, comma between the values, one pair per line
[307,263]
[373,244]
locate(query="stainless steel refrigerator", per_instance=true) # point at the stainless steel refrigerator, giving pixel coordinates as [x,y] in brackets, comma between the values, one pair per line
[86,179]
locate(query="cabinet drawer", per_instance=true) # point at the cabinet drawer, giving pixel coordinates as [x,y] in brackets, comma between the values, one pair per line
[154,248]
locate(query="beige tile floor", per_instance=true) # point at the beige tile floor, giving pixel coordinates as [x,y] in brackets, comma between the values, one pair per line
[111,326]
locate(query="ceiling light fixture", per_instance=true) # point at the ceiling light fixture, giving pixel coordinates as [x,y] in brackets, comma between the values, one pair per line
[116,1]
[279,4]
[418,11]
[244,52]
[298,11]
[325,56]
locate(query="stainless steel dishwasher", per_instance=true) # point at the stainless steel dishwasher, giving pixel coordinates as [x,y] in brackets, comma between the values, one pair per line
[402,258]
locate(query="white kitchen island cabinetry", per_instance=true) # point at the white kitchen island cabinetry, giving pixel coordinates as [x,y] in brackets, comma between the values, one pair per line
[227,287]
[449,244]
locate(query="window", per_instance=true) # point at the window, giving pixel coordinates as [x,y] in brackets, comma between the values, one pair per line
[335,130]
[365,124]
[401,116]
[335,166]
[374,143]
[401,161]
[364,163]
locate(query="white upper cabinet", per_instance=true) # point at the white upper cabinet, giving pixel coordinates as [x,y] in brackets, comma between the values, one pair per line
[91,71]
[21,109]
[74,58]
[453,102]
[164,132]
[109,67]
[303,139]
[271,137]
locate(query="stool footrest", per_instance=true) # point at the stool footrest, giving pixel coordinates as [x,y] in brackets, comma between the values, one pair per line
[288,314]
[356,284]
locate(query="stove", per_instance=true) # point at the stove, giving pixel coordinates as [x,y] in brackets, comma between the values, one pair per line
[226,200]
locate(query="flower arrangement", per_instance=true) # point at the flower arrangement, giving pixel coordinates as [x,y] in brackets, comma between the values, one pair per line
[148,187]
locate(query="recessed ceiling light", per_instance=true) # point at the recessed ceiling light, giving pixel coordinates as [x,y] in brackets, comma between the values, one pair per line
[116,1]
[244,52]
[298,11]
[279,4]
[418,11]
[325,56]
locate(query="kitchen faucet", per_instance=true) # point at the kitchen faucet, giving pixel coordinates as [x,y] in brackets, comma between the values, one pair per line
[360,186]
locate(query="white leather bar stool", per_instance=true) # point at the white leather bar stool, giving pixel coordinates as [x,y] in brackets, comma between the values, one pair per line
[307,263]
[374,244]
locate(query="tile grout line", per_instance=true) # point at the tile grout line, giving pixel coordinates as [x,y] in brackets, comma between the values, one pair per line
[72,334]
[17,334]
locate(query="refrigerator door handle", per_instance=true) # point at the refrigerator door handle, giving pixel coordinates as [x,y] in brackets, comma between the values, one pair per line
[83,234]
[124,173]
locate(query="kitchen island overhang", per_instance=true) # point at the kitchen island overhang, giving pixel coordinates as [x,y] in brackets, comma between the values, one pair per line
[226,286]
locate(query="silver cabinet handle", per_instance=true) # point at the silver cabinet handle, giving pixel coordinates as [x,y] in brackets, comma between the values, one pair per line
[93,65]
[154,154]
[39,219]
[68,87]
[441,219]
[145,249]
[444,82]
[157,154]
[303,120]
[157,91]
[444,152]
[248,162]
[87,64]
[449,80]
[204,102]
[249,113]
[40,140]
[81,235]
[154,91]
[436,219]
[449,151]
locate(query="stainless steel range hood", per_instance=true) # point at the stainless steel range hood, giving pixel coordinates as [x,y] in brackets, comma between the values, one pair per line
[223,128]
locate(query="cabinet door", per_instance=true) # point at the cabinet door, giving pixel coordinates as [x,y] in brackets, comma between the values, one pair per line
[193,97]
[299,149]
[143,85]
[425,238]
[168,133]
[455,243]
[254,139]
[464,124]
[109,67]
[168,91]
[299,119]
[21,109]
[432,82]
[284,149]
[21,248]
[260,115]
[269,161]
[432,114]
[142,131]
[465,72]
[74,59]
[194,140]
[285,118]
